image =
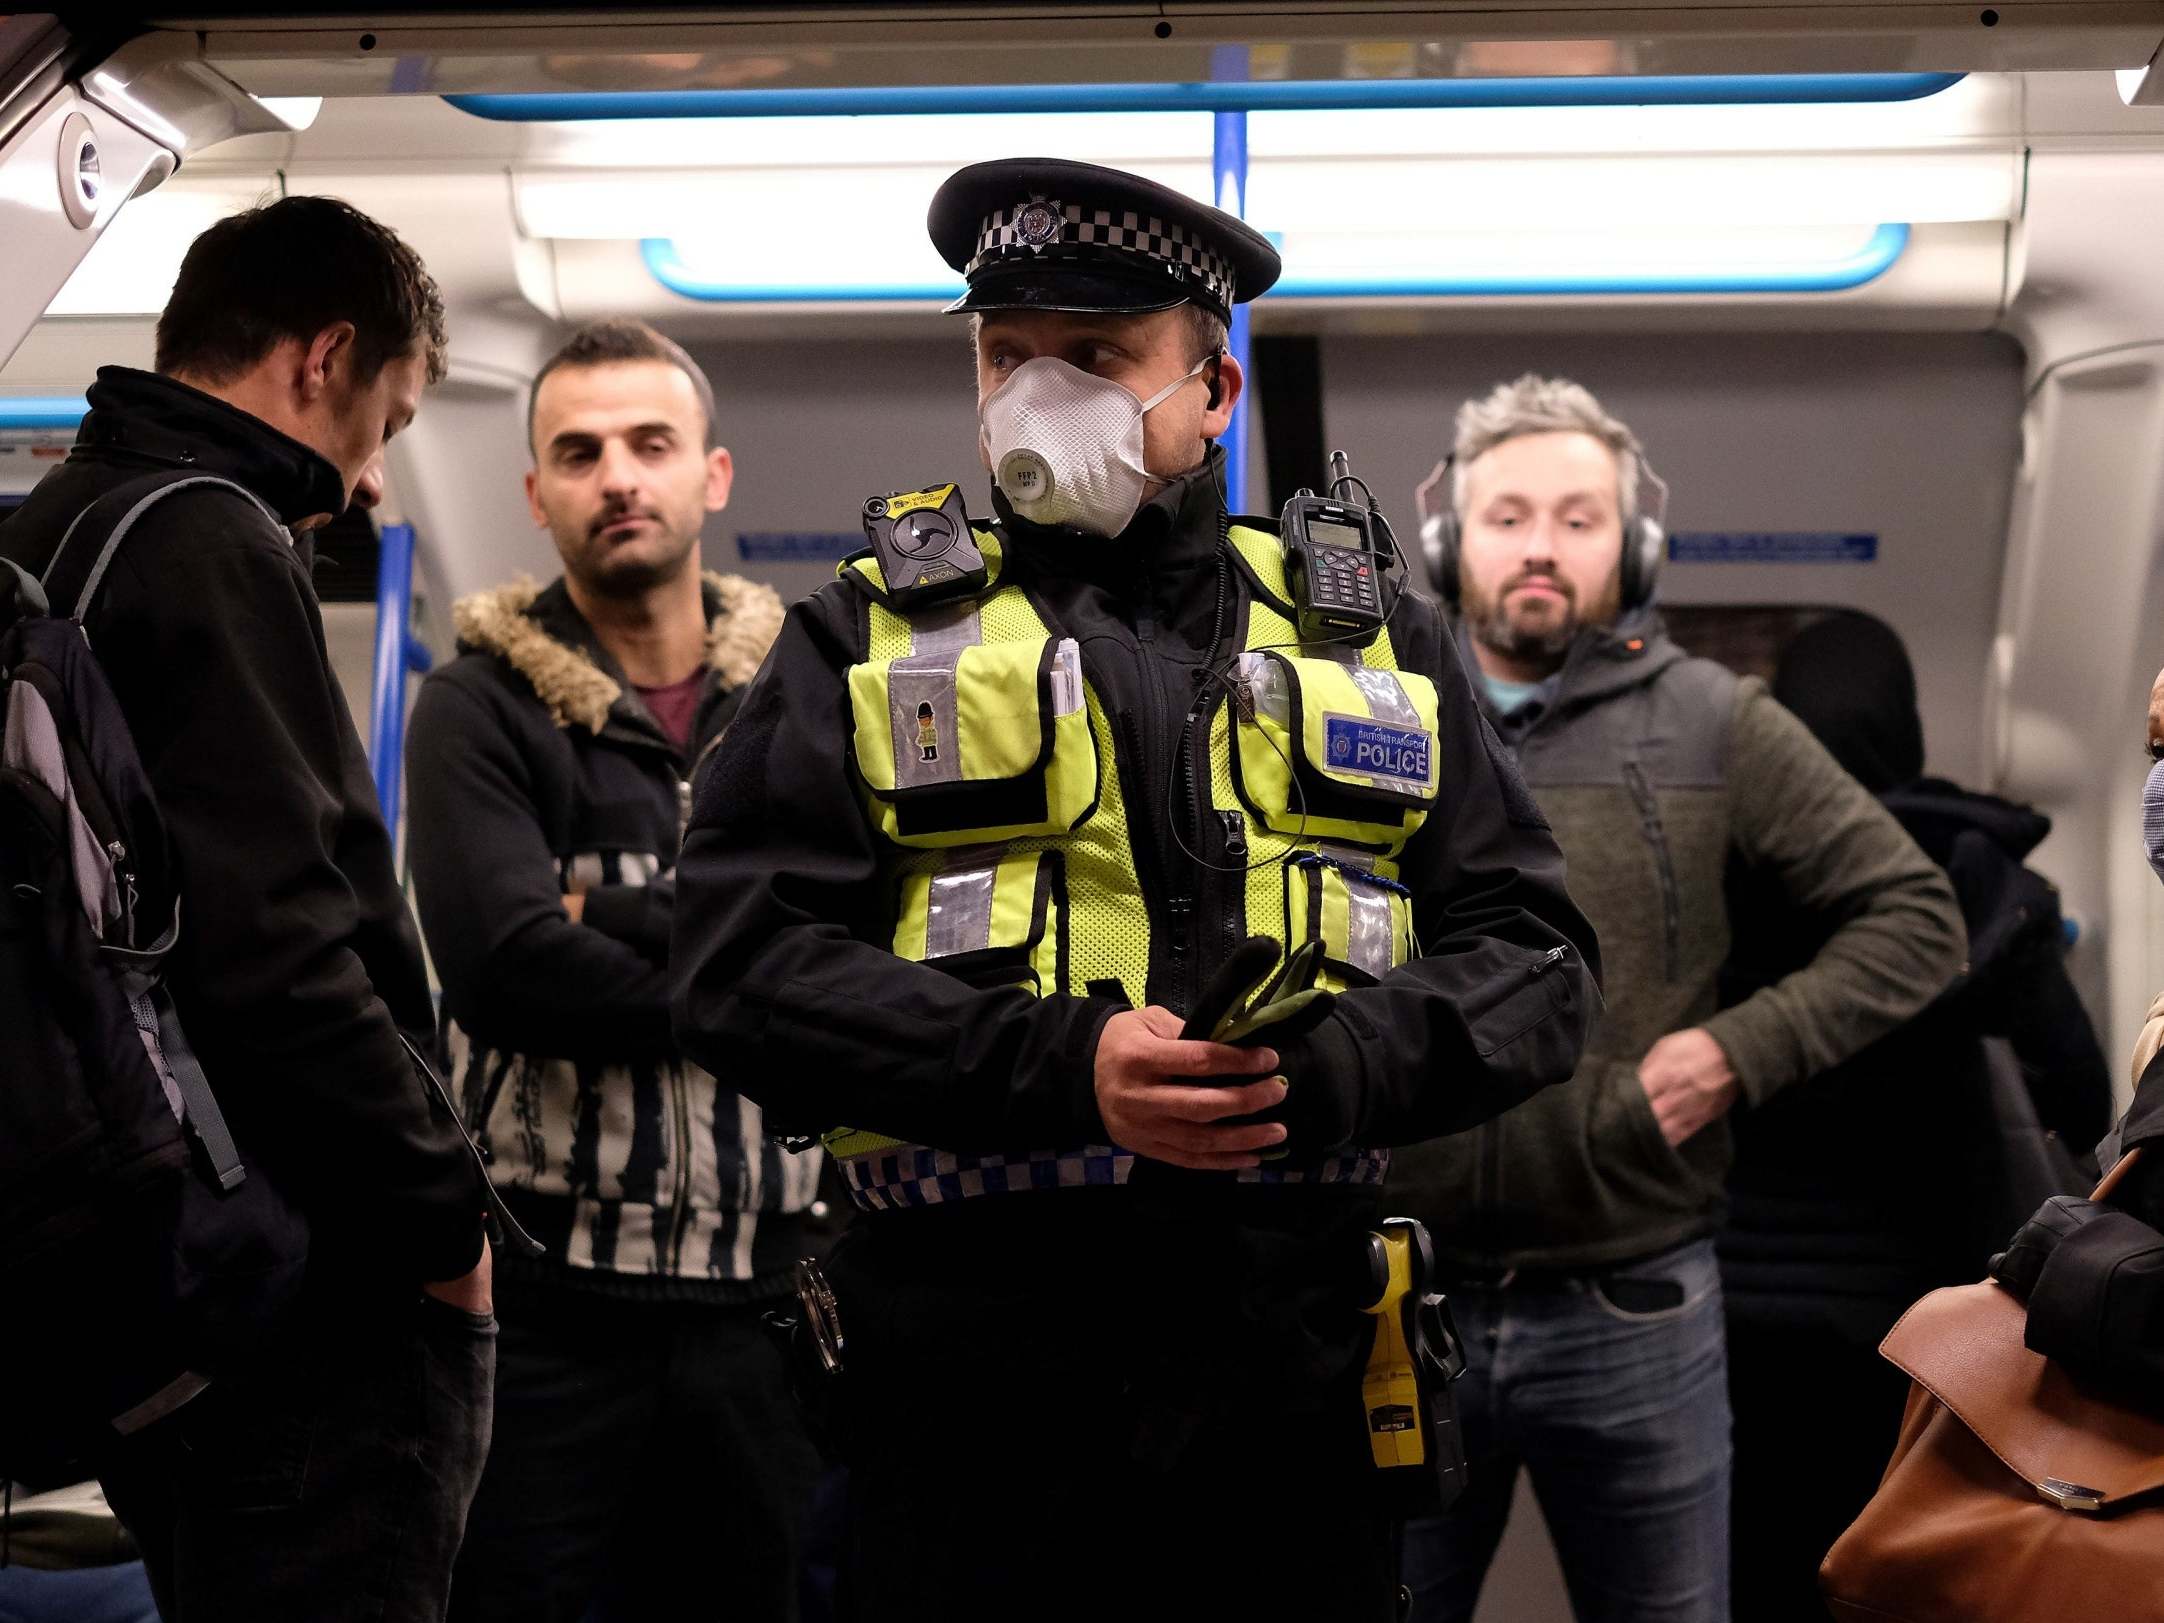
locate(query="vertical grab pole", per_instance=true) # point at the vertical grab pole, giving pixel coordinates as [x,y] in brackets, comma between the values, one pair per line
[1229,164]
[395,650]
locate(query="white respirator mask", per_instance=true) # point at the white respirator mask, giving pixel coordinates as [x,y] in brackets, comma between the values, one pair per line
[1065,447]
[2152,818]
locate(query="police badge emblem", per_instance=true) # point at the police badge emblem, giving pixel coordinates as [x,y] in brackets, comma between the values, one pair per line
[1037,225]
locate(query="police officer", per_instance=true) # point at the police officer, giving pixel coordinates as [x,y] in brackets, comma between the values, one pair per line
[995,815]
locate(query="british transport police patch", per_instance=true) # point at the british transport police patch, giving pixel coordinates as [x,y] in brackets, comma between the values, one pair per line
[1378,751]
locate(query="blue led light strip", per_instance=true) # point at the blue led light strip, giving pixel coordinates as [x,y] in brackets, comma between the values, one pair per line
[1709,90]
[42,411]
[1868,262]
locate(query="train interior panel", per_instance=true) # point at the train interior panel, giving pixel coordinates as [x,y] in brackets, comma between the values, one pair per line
[1880,298]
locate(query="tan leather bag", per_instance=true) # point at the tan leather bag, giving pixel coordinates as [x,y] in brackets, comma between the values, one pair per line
[2013,1496]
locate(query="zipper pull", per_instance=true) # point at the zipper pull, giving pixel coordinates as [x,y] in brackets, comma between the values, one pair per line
[1549,959]
[1235,835]
[124,885]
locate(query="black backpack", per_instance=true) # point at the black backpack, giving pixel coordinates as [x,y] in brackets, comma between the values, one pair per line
[140,1253]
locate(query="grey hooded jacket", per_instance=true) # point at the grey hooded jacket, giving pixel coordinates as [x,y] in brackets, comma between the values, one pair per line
[1654,768]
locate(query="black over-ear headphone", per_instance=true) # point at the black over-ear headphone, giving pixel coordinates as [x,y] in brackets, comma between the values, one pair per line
[1645,538]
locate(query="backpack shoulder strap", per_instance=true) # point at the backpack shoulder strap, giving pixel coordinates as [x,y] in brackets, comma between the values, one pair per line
[131,501]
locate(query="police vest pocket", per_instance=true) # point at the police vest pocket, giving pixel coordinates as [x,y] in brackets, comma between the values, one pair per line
[999,921]
[1337,752]
[985,742]
[1363,920]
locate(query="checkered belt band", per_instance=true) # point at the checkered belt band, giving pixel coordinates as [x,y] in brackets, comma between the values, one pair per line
[1022,228]
[912,1176]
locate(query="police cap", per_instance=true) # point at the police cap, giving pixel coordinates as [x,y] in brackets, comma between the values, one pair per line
[1049,234]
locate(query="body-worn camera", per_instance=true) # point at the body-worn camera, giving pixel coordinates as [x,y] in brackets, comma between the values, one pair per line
[1336,555]
[925,548]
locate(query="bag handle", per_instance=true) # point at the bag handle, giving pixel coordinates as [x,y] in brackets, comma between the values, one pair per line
[2142,1124]
[2117,1175]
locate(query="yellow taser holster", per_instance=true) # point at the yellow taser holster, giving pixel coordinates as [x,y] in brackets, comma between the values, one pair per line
[1412,1420]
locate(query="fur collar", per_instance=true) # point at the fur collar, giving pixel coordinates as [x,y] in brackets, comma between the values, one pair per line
[743,619]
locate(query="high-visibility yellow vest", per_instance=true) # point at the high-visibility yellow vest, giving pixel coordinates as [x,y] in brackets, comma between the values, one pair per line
[987,765]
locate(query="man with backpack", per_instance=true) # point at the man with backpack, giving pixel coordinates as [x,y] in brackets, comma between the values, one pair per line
[327,1473]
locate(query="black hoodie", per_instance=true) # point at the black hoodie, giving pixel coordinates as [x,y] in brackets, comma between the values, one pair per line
[1854,1193]
[298,963]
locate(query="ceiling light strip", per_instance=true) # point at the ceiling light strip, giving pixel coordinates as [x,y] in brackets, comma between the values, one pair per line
[42,411]
[1837,275]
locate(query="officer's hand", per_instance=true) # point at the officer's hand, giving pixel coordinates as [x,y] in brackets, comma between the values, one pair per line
[1144,1070]
[1688,1081]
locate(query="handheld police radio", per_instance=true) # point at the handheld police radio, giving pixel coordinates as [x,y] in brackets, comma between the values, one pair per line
[1336,553]
[924,545]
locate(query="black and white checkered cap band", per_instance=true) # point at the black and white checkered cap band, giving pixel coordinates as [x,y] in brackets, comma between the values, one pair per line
[1024,227]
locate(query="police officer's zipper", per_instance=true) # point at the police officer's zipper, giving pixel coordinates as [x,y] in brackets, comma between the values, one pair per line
[1225,894]
[1158,865]
[1153,855]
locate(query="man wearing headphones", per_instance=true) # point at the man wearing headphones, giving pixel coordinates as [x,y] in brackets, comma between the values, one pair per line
[1575,1233]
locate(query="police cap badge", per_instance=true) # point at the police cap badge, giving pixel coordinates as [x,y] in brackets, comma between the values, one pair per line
[1050,234]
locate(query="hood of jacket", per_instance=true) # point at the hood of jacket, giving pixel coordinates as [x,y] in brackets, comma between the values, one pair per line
[539,633]
[143,419]
[1937,814]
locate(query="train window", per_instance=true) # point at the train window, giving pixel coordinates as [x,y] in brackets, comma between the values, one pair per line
[1748,638]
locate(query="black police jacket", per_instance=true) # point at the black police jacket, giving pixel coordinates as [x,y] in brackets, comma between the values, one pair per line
[298,964]
[781,965]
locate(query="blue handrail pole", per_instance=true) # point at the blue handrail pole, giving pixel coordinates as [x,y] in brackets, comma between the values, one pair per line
[394,657]
[1229,164]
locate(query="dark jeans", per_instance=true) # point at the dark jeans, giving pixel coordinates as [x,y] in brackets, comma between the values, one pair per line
[329,1481]
[1621,1415]
[1817,1413]
[649,1462]
[1017,1449]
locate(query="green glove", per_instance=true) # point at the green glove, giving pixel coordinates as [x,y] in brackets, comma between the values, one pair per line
[1246,1005]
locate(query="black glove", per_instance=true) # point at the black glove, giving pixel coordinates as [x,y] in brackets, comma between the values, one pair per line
[1288,1012]
[2019,1265]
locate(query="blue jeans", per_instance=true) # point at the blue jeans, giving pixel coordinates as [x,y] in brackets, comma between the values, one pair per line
[1620,1411]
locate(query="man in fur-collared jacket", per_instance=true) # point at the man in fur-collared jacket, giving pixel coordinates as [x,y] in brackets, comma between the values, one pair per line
[645,1441]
